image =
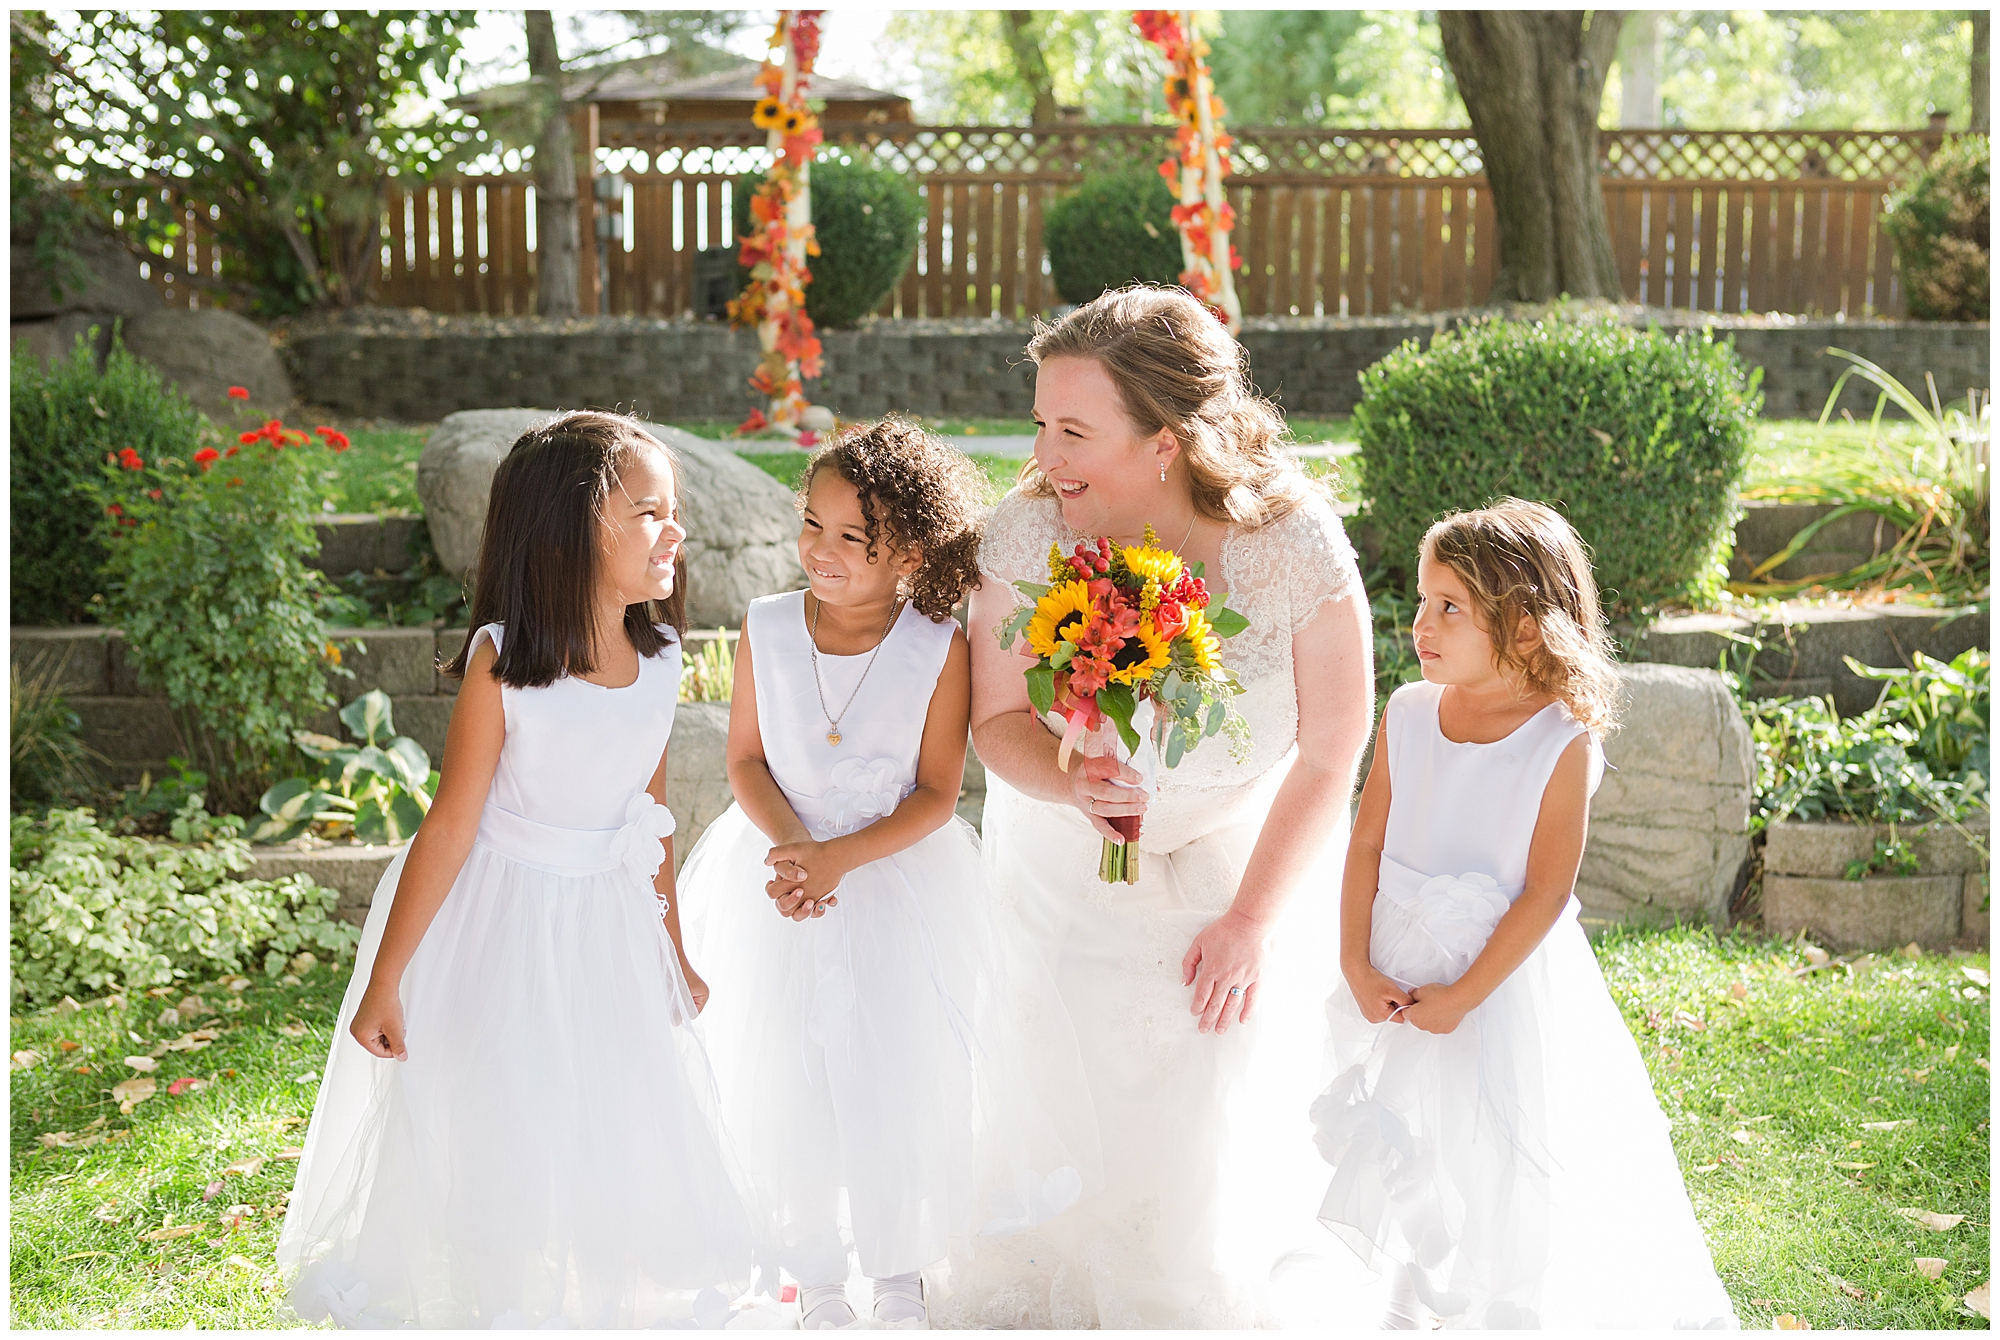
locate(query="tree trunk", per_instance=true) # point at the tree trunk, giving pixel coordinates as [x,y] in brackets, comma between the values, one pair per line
[1981,90]
[1532,81]
[1028,61]
[557,243]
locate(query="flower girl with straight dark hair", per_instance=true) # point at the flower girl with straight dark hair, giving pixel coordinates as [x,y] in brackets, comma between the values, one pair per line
[517,1127]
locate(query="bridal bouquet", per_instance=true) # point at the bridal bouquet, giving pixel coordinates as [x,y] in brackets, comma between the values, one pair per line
[1129,661]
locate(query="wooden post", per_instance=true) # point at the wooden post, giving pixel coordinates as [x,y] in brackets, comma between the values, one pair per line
[589,293]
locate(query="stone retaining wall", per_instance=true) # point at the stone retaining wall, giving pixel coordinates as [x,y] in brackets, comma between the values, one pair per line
[1806,890]
[696,370]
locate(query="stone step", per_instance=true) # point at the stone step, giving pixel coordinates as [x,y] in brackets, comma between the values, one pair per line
[1803,646]
[365,541]
[1806,890]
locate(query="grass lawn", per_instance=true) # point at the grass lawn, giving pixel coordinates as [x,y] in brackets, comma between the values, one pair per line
[1772,1090]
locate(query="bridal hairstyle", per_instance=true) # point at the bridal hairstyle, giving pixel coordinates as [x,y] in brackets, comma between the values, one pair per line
[543,549]
[916,493]
[1177,367]
[1522,560]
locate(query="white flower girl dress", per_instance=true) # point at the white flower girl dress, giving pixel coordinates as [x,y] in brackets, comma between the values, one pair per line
[880,1048]
[549,1153]
[1519,1166]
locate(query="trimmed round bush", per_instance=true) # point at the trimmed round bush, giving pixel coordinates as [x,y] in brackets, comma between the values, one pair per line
[865,219]
[1941,225]
[63,420]
[1637,438]
[1112,230]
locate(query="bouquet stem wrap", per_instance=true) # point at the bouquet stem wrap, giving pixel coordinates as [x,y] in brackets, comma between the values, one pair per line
[1119,861]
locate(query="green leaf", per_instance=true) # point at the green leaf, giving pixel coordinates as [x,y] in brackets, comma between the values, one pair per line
[403,808]
[413,767]
[1176,745]
[368,716]
[375,823]
[1225,621]
[1218,713]
[271,830]
[274,800]
[1041,689]
[317,747]
[1117,702]
[1033,590]
[1010,632]
[1064,653]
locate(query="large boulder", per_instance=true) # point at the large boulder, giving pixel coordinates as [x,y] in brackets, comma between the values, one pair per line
[205,351]
[1670,825]
[742,528]
[108,281]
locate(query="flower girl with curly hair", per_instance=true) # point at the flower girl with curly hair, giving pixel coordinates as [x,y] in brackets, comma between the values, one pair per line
[874,1004]
[1496,1145]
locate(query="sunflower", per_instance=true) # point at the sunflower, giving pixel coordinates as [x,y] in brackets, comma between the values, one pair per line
[1157,654]
[1051,626]
[1202,642]
[767,113]
[1148,562]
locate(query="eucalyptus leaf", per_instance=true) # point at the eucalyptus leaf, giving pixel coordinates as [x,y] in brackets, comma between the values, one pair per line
[1218,713]
[1176,746]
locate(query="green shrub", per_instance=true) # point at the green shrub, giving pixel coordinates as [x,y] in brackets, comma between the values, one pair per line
[49,764]
[62,421]
[1114,229]
[207,577]
[1941,225]
[1922,753]
[1638,439]
[865,220]
[95,912]
[378,790]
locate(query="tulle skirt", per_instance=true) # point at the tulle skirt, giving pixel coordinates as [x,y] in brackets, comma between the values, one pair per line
[1519,1166]
[884,1050]
[549,1153]
[1207,1217]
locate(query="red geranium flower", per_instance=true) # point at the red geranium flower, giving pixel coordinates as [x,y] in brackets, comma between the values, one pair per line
[130,459]
[232,451]
[247,438]
[334,437]
[239,393]
[207,456]
[114,510]
[234,482]
[153,494]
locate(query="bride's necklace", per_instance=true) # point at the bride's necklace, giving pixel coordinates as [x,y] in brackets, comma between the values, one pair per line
[812,643]
[1190,532]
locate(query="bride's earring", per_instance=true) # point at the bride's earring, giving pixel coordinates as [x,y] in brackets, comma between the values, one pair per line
[1163,472]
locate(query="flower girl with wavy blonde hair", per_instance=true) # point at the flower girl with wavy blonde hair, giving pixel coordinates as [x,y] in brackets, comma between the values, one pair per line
[1496,1145]
[874,1005]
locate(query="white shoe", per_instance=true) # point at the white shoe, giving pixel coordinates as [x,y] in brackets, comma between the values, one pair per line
[824,1307]
[899,1302]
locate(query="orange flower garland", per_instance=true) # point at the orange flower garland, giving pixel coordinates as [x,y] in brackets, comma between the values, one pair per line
[1196,170]
[781,236]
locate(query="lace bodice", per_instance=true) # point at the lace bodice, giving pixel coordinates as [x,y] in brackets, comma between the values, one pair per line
[1279,576]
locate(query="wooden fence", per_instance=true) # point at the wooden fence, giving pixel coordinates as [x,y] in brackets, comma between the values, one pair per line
[1347,223]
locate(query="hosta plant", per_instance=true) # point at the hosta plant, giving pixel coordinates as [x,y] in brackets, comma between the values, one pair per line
[377,790]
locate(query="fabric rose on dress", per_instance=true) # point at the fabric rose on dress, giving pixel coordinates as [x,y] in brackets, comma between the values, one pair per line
[636,846]
[1460,911]
[862,791]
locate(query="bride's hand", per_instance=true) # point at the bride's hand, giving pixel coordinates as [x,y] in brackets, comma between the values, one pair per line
[1229,953]
[1094,789]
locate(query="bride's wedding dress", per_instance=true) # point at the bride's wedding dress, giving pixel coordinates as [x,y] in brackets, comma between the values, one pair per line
[1208,1216]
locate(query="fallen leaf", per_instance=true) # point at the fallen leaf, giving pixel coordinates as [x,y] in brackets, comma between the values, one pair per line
[211,1191]
[303,963]
[1885,1125]
[249,1167]
[170,1018]
[1855,1167]
[1920,1076]
[1931,1219]
[1951,1052]
[1785,1321]
[132,1092]
[185,1084]
[1739,991]
[68,1046]
[1816,956]
[1977,976]
[1741,1137]
[1838,1071]
[142,1064]
[107,1213]
[233,1217]
[1856,1144]
[1689,1021]
[286,1123]
[85,1070]
[242,1262]
[294,1029]
[177,1231]
[1930,1267]
[1912,950]
[193,1042]
[1852,1291]
[65,1006]
[1980,1300]
[26,1060]
[290,1154]
[1764,1302]
[1983,1064]
[1877,1098]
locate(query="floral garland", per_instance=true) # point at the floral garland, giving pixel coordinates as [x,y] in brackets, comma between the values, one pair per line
[1196,170]
[781,237]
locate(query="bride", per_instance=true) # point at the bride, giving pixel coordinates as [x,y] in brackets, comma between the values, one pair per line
[1198,994]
